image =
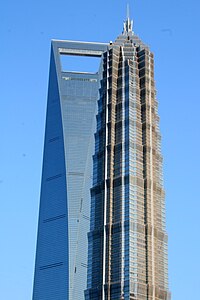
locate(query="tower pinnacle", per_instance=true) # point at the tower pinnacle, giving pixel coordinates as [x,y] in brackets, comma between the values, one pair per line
[127,11]
[128,24]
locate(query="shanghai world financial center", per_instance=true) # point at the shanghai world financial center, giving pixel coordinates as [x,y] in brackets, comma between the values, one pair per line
[101,232]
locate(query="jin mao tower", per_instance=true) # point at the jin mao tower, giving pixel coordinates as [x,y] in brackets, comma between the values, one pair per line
[127,256]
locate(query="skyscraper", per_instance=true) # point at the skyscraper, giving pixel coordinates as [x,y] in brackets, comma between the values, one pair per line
[127,252]
[127,256]
[61,256]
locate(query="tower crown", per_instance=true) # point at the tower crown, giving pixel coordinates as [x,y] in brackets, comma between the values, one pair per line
[128,24]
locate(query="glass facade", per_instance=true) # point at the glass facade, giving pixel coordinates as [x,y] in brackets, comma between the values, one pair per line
[127,239]
[61,256]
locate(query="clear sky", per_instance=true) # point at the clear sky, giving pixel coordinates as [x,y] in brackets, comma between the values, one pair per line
[171,28]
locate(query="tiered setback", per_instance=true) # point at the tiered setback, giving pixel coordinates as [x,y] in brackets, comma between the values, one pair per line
[127,239]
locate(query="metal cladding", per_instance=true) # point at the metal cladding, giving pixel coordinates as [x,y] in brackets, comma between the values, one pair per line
[127,256]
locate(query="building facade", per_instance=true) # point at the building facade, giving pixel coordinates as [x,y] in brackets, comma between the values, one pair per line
[127,255]
[61,255]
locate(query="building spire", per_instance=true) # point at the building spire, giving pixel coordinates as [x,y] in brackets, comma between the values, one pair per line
[127,11]
[128,24]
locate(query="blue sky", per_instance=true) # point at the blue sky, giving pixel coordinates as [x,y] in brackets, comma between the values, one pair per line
[171,28]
